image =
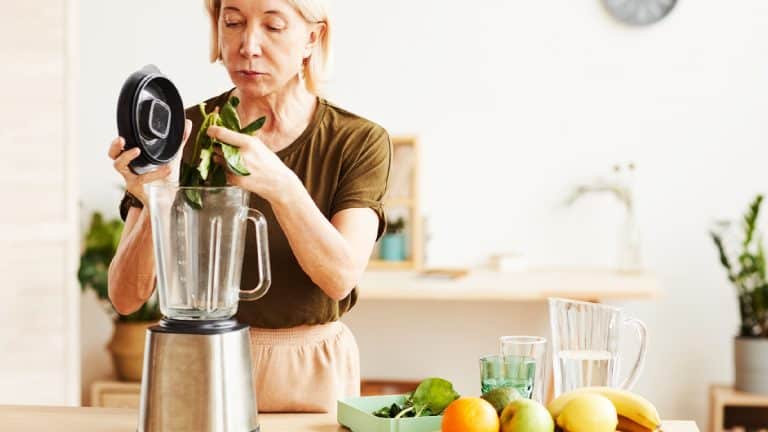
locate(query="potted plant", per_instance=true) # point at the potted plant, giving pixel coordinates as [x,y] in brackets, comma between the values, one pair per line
[392,246]
[127,343]
[744,260]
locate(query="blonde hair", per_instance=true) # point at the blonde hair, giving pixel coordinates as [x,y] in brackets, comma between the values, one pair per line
[317,66]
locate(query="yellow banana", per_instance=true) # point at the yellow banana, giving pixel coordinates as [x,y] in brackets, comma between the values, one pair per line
[627,425]
[631,406]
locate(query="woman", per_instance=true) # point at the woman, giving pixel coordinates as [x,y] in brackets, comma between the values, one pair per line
[318,173]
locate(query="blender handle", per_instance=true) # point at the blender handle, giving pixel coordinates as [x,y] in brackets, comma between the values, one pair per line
[265,274]
[642,332]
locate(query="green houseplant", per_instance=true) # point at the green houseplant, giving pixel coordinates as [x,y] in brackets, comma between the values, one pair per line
[743,258]
[127,344]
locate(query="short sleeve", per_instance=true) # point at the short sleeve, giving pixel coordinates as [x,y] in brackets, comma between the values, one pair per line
[365,175]
[125,205]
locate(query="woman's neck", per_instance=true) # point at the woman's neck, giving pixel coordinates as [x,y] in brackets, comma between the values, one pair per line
[288,113]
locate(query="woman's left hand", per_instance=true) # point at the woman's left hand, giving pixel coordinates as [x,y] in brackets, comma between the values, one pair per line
[269,177]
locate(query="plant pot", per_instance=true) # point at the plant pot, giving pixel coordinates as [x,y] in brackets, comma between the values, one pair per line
[392,247]
[750,357]
[127,349]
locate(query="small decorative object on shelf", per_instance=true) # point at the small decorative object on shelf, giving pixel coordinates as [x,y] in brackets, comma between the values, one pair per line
[620,185]
[392,244]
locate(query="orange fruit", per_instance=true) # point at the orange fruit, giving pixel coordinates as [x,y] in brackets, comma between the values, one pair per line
[470,414]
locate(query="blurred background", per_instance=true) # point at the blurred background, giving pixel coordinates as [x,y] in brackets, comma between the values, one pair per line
[513,107]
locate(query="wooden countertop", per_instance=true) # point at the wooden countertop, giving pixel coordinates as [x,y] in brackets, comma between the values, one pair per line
[529,285]
[68,419]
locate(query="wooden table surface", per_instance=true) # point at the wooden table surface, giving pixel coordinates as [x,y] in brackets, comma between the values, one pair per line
[69,419]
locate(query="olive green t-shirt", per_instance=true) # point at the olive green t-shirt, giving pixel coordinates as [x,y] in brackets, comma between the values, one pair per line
[343,160]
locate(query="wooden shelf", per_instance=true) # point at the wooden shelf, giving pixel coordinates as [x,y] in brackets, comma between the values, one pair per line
[398,202]
[729,408]
[391,265]
[532,285]
[115,394]
[403,202]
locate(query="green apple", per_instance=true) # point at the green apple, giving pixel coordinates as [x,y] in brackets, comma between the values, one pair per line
[526,415]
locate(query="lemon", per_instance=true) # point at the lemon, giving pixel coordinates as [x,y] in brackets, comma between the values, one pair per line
[588,413]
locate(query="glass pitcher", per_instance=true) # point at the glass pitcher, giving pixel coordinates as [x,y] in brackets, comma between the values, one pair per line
[585,344]
[199,239]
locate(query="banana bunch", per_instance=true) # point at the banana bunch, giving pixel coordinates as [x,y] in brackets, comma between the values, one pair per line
[586,410]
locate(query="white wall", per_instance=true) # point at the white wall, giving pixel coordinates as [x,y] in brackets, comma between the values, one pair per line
[39,323]
[515,101]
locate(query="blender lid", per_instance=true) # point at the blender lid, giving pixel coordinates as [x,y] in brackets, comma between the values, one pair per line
[150,115]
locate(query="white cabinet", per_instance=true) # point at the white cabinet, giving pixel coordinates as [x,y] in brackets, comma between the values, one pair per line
[39,297]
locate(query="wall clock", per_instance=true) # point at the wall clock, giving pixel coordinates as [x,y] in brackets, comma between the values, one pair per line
[639,12]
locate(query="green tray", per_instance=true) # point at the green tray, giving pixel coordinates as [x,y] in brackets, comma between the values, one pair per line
[355,414]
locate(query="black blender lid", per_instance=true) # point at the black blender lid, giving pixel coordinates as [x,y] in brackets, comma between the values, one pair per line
[150,115]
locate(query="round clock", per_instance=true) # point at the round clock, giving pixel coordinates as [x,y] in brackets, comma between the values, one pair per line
[639,12]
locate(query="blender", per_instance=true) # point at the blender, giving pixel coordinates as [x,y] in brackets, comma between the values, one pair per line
[197,373]
[197,362]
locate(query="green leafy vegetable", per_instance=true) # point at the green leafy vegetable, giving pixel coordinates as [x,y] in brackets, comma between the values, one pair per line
[431,398]
[253,127]
[234,162]
[199,169]
[205,162]
[229,117]
[433,394]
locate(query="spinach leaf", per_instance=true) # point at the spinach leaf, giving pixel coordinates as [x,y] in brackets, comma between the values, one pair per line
[433,395]
[253,127]
[234,161]
[229,118]
[388,411]
[202,140]
[205,163]
[201,155]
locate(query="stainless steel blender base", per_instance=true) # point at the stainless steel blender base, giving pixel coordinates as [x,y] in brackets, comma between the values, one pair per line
[197,381]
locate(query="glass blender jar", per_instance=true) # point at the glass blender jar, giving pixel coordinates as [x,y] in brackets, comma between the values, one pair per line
[199,249]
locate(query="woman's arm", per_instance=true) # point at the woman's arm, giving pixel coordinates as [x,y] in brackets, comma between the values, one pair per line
[333,253]
[131,277]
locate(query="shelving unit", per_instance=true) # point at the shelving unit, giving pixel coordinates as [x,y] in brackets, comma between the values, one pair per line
[731,410]
[403,200]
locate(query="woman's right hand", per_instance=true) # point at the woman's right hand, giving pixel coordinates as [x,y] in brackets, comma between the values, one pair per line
[134,183]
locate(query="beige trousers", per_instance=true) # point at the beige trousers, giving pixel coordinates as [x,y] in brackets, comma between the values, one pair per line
[306,368]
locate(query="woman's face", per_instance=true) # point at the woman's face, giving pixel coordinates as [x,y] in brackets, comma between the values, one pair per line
[263,43]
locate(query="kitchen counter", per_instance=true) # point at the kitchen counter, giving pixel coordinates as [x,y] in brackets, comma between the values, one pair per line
[528,285]
[68,419]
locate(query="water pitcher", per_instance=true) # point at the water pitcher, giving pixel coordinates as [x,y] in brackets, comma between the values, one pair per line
[585,343]
[199,240]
